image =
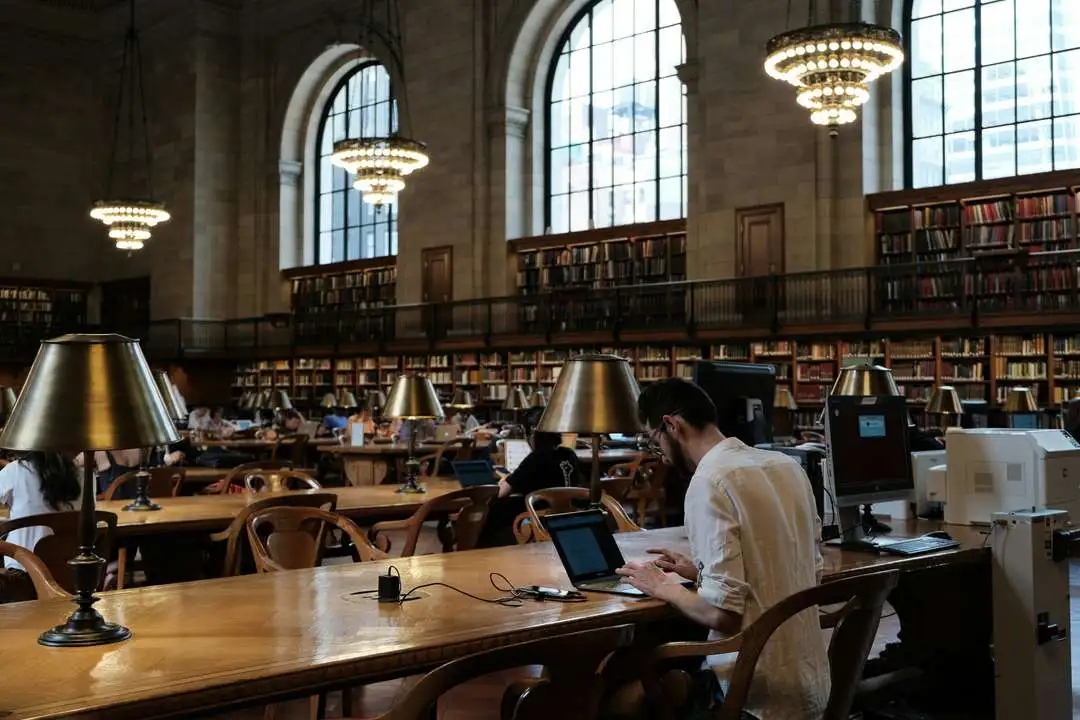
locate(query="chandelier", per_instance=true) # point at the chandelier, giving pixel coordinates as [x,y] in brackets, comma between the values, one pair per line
[832,65]
[130,218]
[379,165]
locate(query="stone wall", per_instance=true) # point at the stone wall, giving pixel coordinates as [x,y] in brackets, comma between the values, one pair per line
[235,84]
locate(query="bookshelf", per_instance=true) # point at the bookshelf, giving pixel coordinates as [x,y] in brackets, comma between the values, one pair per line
[322,294]
[59,306]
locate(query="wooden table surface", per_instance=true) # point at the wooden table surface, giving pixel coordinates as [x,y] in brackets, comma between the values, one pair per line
[253,444]
[201,646]
[209,513]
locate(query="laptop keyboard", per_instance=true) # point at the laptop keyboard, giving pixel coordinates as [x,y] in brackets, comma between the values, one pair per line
[610,585]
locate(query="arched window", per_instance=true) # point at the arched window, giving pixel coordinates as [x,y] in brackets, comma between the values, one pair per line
[994,88]
[616,130]
[346,228]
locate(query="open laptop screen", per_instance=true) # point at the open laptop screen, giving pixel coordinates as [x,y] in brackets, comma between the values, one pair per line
[585,544]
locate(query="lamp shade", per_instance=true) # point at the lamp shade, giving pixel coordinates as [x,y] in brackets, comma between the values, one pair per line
[516,400]
[865,380]
[328,401]
[376,398]
[944,400]
[89,392]
[413,398]
[279,400]
[462,400]
[783,399]
[7,403]
[1019,400]
[538,398]
[164,386]
[345,399]
[178,398]
[595,394]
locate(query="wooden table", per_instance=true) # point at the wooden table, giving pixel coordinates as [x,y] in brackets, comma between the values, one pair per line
[209,513]
[208,645]
[257,445]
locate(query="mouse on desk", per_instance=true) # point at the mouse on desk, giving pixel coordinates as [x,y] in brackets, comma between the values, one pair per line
[940,534]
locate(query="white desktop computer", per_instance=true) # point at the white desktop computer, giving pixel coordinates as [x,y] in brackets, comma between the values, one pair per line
[994,470]
[927,503]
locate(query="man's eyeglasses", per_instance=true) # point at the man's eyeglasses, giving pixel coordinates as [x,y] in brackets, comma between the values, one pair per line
[652,440]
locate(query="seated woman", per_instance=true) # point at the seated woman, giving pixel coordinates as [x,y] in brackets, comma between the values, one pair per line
[111,464]
[199,419]
[37,483]
[218,425]
[363,417]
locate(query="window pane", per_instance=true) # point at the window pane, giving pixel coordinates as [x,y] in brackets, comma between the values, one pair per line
[560,171]
[928,162]
[560,213]
[602,207]
[959,28]
[579,168]
[1067,143]
[560,124]
[645,56]
[337,254]
[380,241]
[1066,19]
[352,243]
[1033,89]
[601,21]
[671,152]
[671,42]
[670,198]
[603,79]
[960,157]
[1034,152]
[998,95]
[580,73]
[1067,83]
[624,18]
[579,211]
[602,115]
[623,59]
[948,5]
[338,218]
[959,101]
[623,151]
[998,33]
[645,202]
[601,163]
[645,106]
[669,13]
[560,79]
[644,157]
[324,249]
[1033,28]
[926,107]
[623,205]
[671,101]
[579,119]
[926,47]
[922,8]
[999,152]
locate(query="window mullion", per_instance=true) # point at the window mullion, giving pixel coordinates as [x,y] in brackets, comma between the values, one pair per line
[978,93]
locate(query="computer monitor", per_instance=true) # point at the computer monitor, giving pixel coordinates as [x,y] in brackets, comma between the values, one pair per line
[868,449]
[743,394]
[1024,421]
[976,414]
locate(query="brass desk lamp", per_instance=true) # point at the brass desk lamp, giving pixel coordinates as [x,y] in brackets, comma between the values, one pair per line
[87,393]
[596,395]
[461,400]
[945,402]
[413,398]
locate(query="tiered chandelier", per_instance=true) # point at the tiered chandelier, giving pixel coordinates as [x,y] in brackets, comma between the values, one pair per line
[379,165]
[131,218]
[832,65]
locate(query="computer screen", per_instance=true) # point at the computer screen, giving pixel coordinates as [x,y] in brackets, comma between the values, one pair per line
[1024,421]
[584,543]
[743,394]
[868,449]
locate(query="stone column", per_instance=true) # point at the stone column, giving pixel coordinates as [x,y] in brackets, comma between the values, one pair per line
[509,188]
[293,219]
[689,73]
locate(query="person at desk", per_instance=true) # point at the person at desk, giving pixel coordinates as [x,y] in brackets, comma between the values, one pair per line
[364,418]
[754,539]
[337,420]
[287,422]
[35,484]
[548,465]
[466,421]
[111,464]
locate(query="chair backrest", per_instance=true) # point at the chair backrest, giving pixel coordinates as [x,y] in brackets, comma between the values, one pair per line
[164,482]
[572,688]
[45,586]
[862,597]
[57,549]
[286,479]
[291,538]
[236,535]
[463,447]
[234,476]
[568,499]
[469,507]
[292,448]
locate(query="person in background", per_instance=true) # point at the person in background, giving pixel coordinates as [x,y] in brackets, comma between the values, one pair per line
[548,465]
[218,425]
[288,422]
[754,540]
[199,419]
[337,420]
[111,464]
[35,484]
[1072,418]
[425,430]
[465,420]
[363,416]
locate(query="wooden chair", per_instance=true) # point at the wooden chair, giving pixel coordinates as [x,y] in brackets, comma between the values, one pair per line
[569,499]
[164,482]
[855,625]
[45,587]
[649,487]
[258,482]
[55,550]
[292,448]
[468,508]
[571,687]
[235,535]
[462,448]
[235,476]
[291,538]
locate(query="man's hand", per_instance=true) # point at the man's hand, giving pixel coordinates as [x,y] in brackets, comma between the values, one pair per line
[675,562]
[650,579]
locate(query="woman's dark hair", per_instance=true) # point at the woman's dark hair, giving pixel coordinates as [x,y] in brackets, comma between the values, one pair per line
[546,441]
[59,481]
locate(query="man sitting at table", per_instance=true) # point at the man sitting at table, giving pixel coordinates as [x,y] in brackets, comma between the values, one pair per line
[754,540]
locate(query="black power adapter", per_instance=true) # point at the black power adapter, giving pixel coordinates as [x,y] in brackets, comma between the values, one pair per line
[390,586]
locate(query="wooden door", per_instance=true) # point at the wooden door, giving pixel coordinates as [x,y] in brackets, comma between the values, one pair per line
[759,257]
[437,287]
[125,306]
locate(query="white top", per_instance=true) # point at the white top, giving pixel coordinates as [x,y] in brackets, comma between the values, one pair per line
[20,490]
[755,537]
[199,419]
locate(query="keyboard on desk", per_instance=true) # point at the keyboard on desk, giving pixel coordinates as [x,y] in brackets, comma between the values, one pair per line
[917,546]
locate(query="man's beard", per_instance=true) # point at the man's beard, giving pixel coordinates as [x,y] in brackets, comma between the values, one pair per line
[679,462]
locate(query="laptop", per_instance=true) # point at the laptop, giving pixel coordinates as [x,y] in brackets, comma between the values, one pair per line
[309,428]
[471,473]
[446,432]
[588,552]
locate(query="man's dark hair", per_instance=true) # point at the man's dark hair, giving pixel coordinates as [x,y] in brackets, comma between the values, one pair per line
[676,397]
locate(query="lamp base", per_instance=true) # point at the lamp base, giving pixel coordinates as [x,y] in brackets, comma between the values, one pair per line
[411,488]
[83,630]
[142,505]
[142,495]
